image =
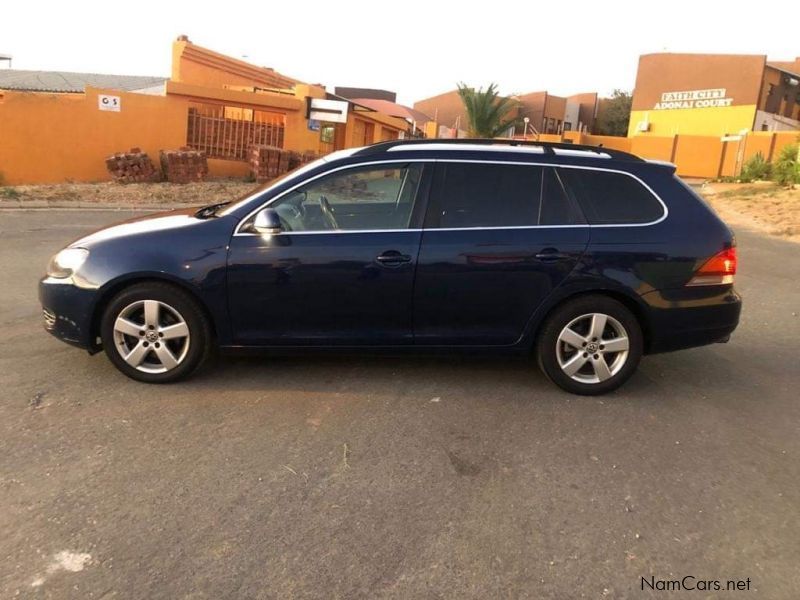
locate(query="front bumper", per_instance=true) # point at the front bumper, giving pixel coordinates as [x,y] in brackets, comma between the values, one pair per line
[691,316]
[67,310]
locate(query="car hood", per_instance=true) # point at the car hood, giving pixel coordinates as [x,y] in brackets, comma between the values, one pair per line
[164,221]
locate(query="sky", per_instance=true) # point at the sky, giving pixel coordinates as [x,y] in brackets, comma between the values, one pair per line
[415,48]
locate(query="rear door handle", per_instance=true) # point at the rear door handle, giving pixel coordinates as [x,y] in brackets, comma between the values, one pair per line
[551,255]
[392,258]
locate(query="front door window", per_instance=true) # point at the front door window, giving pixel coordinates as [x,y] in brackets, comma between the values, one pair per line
[358,199]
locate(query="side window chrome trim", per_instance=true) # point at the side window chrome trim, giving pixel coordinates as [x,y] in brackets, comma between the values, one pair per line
[238,232]
[562,166]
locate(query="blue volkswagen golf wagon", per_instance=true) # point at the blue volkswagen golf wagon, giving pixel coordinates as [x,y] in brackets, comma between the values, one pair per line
[584,257]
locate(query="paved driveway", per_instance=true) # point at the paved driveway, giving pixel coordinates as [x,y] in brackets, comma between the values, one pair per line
[395,478]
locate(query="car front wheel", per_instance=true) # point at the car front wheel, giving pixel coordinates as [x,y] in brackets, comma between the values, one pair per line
[155,333]
[590,345]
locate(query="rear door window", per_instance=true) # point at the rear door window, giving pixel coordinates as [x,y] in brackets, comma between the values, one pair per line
[485,195]
[611,198]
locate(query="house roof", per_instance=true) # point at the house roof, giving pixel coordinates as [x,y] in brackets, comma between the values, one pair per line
[393,109]
[793,68]
[67,82]
[260,76]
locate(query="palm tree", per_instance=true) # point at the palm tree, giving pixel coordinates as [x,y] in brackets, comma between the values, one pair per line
[486,110]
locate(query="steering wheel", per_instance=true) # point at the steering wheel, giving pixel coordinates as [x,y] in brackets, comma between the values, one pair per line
[327,212]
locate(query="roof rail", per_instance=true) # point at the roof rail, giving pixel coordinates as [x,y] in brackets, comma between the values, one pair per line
[548,147]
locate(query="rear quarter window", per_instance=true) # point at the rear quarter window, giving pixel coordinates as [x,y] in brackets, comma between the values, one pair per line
[611,198]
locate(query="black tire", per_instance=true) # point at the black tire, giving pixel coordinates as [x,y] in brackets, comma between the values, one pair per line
[199,341]
[548,346]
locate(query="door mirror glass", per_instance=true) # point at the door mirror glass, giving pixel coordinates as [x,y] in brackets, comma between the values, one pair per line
[267,221]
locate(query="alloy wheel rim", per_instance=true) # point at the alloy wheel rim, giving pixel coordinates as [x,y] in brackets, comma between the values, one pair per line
[592,348]
[151,336]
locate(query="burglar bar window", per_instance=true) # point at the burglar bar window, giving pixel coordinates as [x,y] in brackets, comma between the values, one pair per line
[228,131]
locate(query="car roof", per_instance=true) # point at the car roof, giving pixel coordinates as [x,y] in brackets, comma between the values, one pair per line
[398,148]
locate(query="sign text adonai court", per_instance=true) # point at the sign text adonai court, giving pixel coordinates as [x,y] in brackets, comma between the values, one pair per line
[713,98]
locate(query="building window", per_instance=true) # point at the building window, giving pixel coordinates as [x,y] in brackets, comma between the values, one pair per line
[227,132]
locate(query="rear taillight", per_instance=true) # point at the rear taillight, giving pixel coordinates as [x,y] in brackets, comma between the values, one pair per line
[717,270]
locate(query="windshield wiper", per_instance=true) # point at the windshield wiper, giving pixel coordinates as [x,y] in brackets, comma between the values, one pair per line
[210,211]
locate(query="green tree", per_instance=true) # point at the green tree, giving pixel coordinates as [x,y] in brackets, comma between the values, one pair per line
[613,114]
[487,111]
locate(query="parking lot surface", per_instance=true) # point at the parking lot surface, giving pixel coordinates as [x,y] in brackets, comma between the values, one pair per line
[385,477]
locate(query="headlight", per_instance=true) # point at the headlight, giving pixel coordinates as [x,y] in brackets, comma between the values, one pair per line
[66,262]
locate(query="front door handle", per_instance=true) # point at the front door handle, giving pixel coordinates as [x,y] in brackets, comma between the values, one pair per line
[393,258]
[551,255]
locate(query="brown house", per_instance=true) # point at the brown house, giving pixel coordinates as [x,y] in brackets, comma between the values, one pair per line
[546,112]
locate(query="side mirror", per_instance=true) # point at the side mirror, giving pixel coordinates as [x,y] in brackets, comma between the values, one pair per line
[267,221]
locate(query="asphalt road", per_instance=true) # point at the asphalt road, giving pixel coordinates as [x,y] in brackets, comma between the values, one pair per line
[395,478]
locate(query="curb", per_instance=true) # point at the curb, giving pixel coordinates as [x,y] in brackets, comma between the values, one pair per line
[97,206]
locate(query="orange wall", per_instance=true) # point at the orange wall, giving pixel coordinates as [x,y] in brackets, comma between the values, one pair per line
[730,161]
[197,65]
[698,156]
[608,141]
[784,138]
[694,155]
[658,148]
[758,142]
[549,137]
[51,138]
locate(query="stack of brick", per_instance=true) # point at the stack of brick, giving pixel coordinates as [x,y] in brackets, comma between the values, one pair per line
[298,159]
[295,159]
[267,162]
[184,165]
[132,167]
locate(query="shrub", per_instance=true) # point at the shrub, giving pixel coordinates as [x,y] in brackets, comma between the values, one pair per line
[786,170]
[755,169]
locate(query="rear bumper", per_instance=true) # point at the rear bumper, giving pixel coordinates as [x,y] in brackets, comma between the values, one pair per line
[691,316]
[67,311]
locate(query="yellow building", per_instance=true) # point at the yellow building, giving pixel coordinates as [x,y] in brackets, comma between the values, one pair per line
[714,94]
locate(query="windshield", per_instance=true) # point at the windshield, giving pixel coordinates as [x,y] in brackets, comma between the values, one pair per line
[297,173]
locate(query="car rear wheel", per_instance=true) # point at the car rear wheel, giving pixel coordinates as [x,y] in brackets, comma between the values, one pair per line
[590,345]
[155,333]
